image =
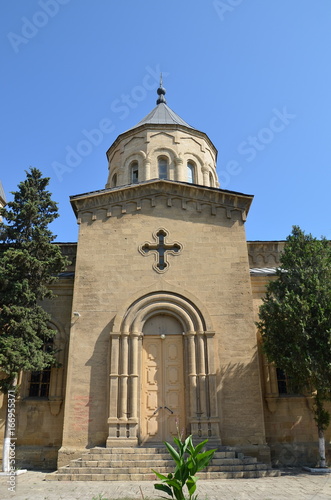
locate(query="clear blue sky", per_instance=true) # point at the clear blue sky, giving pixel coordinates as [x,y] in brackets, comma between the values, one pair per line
[255,75]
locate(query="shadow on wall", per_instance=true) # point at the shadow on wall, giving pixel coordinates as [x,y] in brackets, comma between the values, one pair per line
[240,402]
[92,411]
[290,431]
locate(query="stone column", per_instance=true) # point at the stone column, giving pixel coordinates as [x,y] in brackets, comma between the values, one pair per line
[124,376]
[113,426]
[201,374]
[192,373]
[146,171]
[205,174]
[133,393]
[180,170]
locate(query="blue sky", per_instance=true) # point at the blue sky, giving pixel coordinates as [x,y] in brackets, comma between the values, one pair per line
[255,75]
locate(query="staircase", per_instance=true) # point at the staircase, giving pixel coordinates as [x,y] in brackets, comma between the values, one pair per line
[136,464]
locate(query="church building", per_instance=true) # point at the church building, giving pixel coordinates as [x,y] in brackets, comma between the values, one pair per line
[155,316]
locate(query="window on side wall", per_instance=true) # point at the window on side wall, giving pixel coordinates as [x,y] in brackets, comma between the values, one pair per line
[40,380]
[285,384]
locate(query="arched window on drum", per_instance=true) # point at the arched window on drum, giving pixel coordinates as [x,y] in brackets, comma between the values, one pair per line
[190,172]
[163,167]
[114,181]
[134,172]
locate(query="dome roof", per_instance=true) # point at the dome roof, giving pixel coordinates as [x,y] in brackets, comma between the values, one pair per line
[162,115]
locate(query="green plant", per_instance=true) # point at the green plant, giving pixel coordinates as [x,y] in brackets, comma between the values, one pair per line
[189,460]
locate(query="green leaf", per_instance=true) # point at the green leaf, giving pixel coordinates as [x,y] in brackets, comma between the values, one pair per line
[176,457]
[174,483]
[191,484]
[199,446]
[163,487]
[160,476]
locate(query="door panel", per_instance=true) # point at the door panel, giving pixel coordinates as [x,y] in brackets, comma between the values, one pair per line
[162,396]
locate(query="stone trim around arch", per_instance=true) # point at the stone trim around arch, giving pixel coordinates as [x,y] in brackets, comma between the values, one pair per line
[163,287]
[126,340]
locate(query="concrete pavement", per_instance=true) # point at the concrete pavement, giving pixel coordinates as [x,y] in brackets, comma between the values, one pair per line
[293,484]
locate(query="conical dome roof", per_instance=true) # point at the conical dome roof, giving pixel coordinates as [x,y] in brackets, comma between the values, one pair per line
[162,115]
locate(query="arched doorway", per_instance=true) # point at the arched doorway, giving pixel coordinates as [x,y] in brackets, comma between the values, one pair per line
[162,354]
[162,397]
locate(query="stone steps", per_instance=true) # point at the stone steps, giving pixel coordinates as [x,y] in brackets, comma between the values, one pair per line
[162,470]
[136,464]
[150,463]
[96,454]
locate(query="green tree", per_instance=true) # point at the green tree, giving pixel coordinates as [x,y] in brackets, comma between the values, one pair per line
[295,321]
[29,265]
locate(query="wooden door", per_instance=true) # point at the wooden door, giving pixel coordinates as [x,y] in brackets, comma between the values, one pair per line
[162,395]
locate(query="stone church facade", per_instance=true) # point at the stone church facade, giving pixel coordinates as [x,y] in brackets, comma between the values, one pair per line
[155,316]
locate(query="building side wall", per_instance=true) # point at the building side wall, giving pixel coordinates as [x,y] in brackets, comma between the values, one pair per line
[39,421]
[291,431]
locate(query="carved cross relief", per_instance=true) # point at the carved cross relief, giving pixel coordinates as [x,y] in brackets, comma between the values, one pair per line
[161,249]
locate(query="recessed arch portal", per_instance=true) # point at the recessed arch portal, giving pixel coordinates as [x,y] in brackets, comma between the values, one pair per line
[183,317]
[140,310]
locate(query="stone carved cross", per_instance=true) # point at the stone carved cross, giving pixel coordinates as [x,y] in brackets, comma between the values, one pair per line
[161,249]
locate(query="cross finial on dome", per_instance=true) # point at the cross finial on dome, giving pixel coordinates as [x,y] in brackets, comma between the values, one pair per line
[161,93]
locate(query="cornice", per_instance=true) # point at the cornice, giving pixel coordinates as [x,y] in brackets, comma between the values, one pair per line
[265,254]
[128,199]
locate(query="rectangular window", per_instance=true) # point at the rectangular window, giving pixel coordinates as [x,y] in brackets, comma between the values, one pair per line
[39,383]
[285,384]
[40,379]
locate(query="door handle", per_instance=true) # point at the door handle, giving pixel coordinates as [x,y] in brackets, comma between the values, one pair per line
[157,409]
[166,408]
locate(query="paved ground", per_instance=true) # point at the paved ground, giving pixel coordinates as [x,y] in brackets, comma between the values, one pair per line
[293,484]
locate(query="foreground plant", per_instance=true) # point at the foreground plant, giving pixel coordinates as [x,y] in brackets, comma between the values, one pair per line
[189,460]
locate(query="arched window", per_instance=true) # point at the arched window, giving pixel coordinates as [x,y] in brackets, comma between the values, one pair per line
[190,172]
[114,181]
[163,167]
[134,172]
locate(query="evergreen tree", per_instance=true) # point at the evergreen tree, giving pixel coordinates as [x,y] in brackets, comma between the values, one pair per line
[295,321]
[29,265]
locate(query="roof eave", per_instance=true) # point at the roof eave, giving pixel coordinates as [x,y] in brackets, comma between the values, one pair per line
[102,192]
